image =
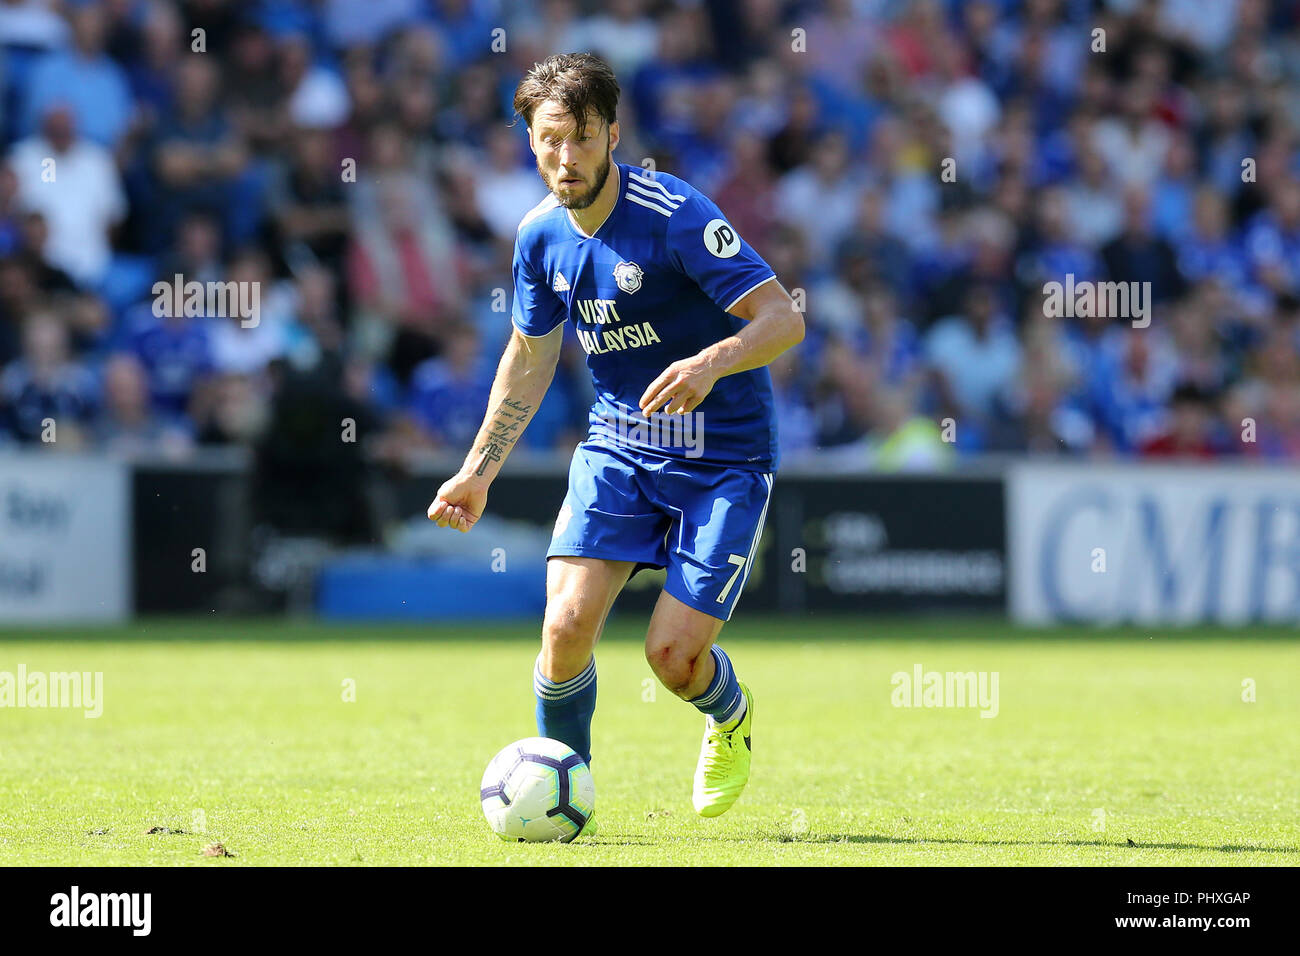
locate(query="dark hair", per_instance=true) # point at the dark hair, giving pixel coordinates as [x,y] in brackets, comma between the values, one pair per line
[579,82]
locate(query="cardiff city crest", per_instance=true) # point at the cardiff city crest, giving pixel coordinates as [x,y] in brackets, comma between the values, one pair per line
[628,275]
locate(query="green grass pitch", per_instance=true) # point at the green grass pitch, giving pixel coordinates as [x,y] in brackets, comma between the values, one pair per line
[1110,747]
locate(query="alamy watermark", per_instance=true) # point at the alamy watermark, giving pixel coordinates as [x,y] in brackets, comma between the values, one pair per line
[76,908]
[227,300]
[1087,299]
[682,433]
[83,690]
[922,688]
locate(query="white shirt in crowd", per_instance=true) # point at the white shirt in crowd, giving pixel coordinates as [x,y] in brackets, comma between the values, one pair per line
[80,195]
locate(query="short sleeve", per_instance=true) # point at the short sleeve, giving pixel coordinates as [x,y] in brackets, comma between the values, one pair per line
[705,246]
[537,309]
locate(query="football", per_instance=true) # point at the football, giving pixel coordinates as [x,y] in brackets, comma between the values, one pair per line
[537,790]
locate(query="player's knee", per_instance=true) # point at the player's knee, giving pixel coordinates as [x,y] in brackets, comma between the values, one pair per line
[567,638]
[674,665]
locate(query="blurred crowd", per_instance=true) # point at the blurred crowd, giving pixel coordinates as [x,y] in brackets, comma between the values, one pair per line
[916,171]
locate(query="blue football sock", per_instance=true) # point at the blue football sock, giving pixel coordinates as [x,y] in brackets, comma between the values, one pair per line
[723,700]
[564,708]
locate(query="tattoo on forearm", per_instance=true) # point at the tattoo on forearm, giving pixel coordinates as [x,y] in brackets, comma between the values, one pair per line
[507,424]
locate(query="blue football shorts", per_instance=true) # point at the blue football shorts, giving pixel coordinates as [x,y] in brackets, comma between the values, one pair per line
[701,522]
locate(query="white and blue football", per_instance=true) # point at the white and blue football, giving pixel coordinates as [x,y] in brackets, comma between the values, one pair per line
[537,790]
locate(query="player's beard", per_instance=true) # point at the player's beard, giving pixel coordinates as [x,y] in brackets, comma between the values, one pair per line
[587,198]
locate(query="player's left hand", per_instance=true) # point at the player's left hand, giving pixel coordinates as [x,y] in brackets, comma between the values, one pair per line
[681,387]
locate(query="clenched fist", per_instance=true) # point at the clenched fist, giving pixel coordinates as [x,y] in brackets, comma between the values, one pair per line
[460,502]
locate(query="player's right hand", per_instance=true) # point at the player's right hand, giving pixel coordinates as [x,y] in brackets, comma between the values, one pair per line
[460,502]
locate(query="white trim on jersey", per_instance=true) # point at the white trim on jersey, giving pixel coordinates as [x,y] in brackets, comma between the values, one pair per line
[655,184]
[651,194]
[557,325]
[753,547]
[547,204]
[747,292]
[649,205]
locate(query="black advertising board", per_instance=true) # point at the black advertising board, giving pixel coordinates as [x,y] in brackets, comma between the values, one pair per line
[891,543]
[842,543]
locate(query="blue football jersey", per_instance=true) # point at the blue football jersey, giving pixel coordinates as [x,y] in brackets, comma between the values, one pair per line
[650,287]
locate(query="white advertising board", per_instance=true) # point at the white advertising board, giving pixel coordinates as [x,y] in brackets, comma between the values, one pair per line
[1155,544]
[65,539]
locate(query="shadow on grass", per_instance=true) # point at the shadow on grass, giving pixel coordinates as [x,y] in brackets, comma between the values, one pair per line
[824,838]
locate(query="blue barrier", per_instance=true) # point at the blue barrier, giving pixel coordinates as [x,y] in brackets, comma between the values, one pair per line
[389,588]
